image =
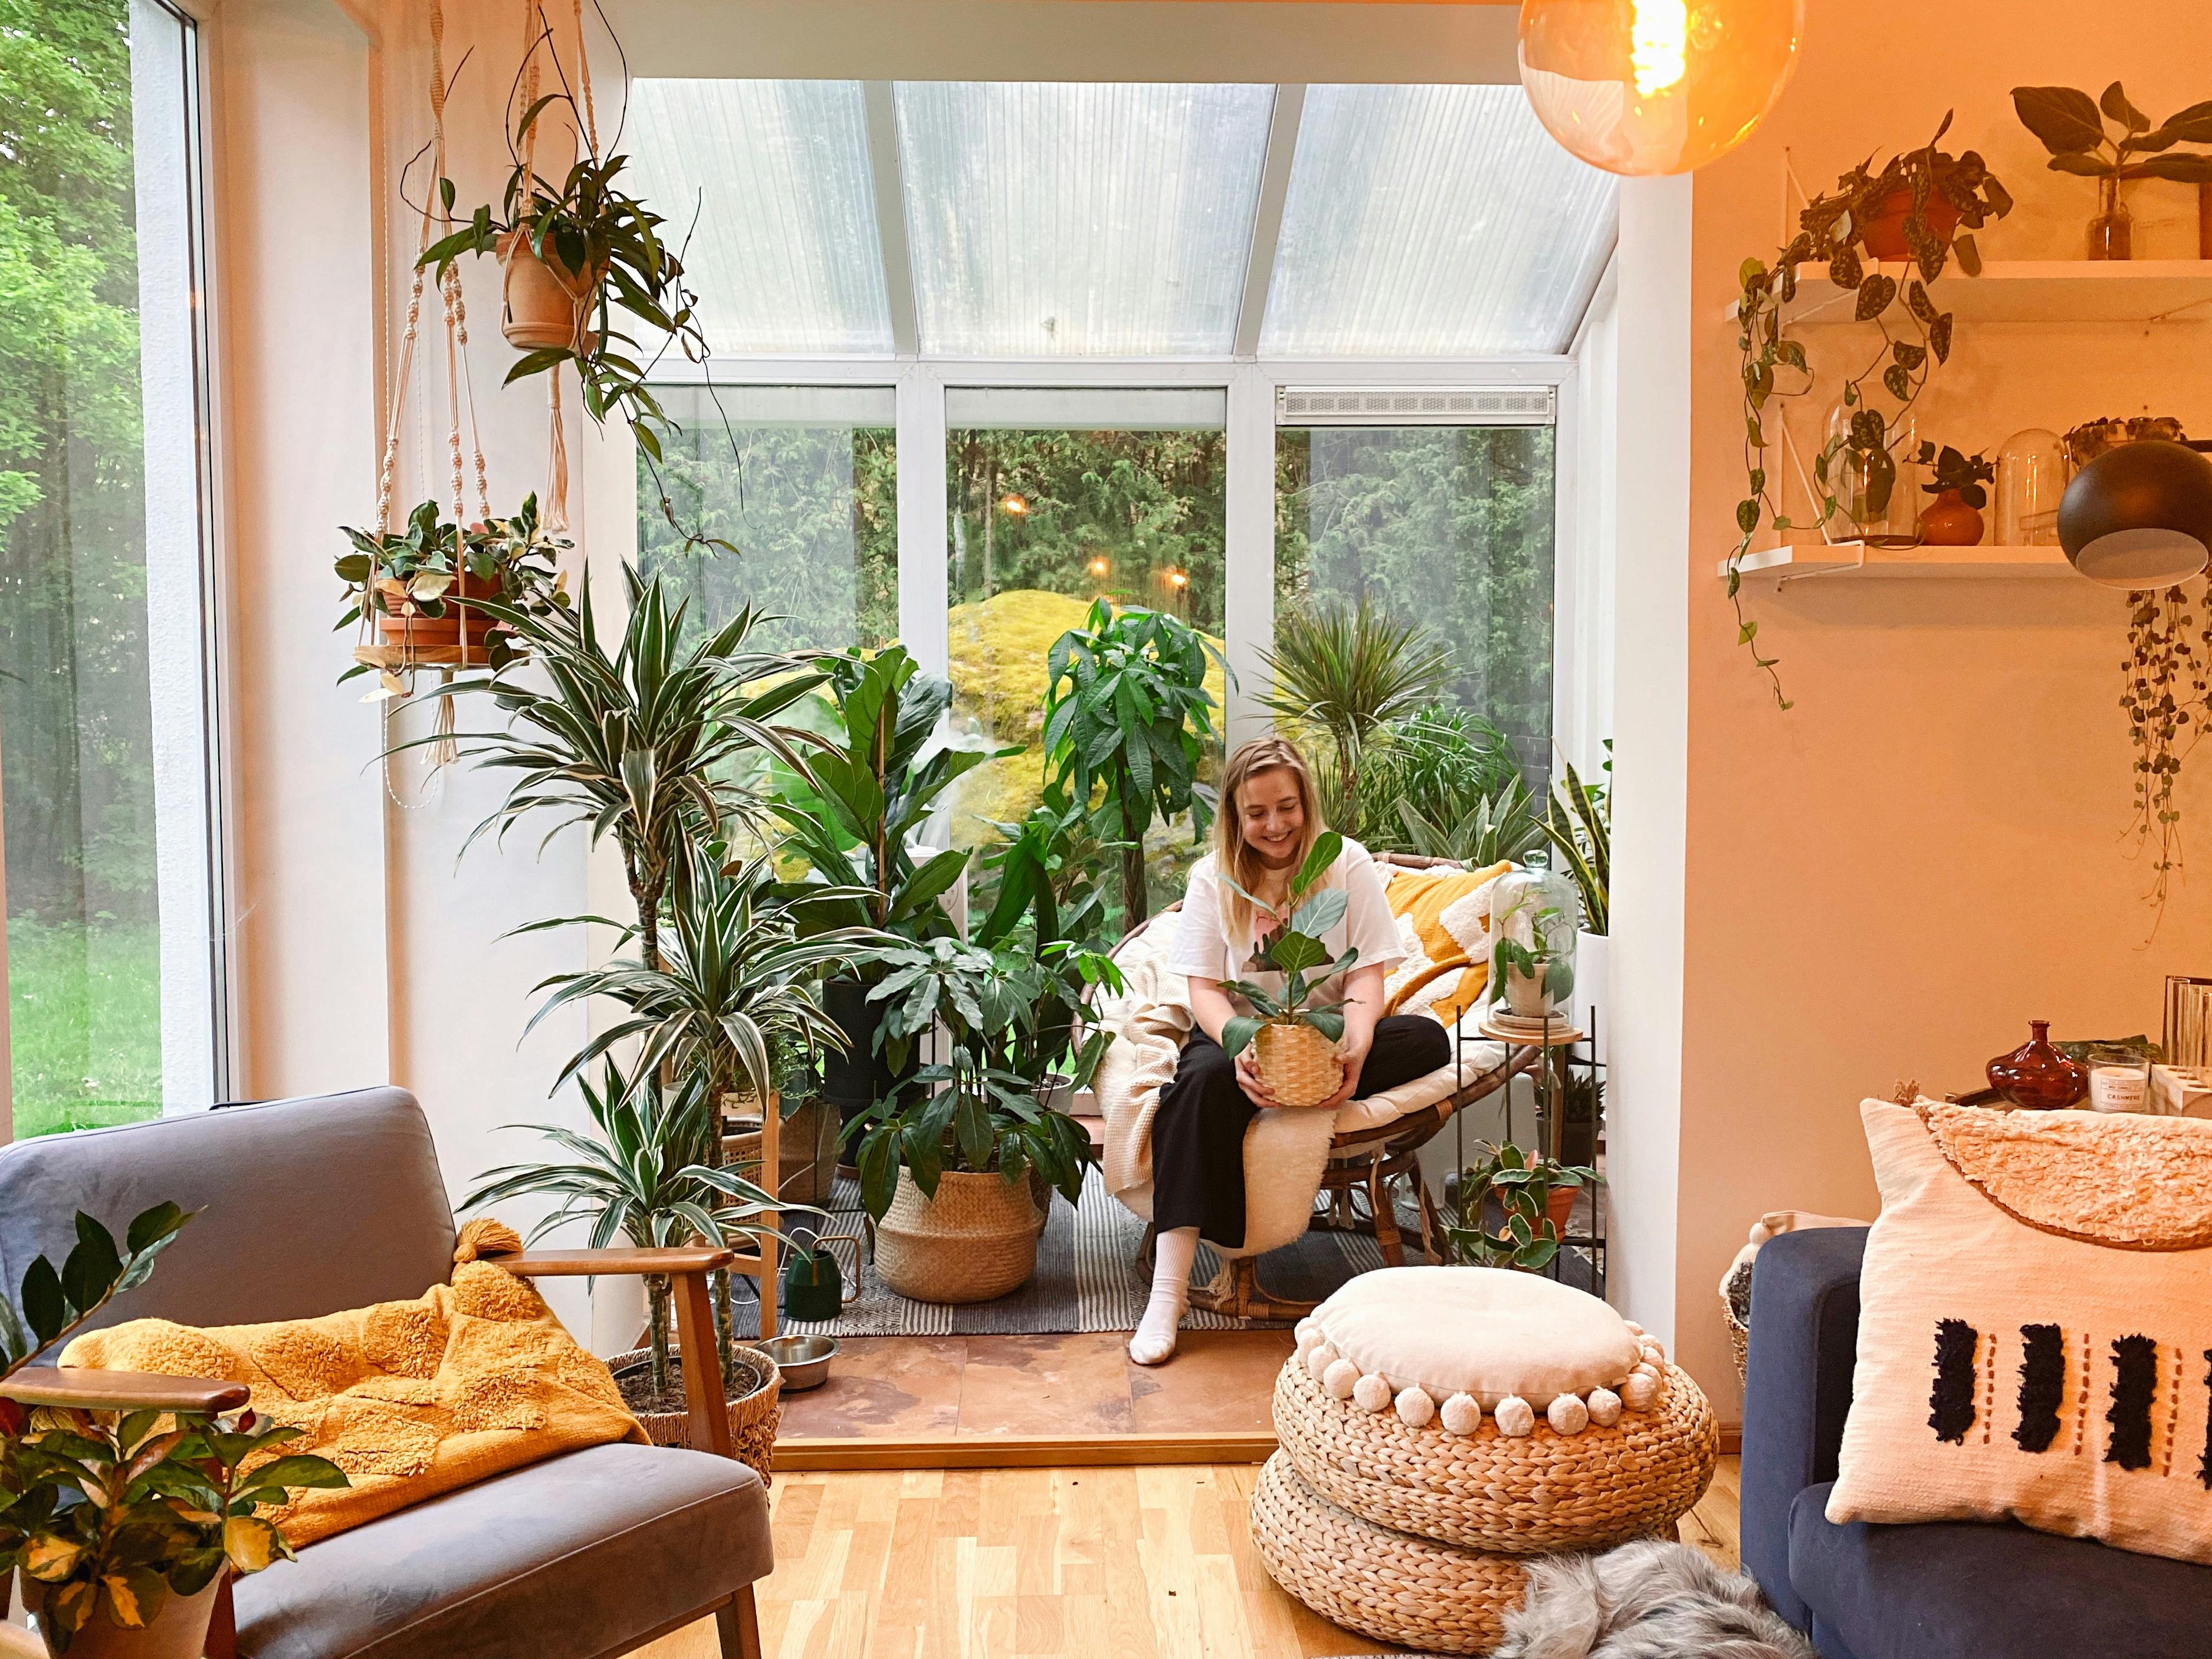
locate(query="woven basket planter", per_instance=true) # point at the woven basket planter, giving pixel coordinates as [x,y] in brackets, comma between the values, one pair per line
[1412,1592]
[754,1410]
[975,1240]
[1298,1063]
[1515,1495]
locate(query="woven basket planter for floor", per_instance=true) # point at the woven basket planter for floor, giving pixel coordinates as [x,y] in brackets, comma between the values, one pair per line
[754,1412]
[1517,1496]
[975,1240]
[1410,1591]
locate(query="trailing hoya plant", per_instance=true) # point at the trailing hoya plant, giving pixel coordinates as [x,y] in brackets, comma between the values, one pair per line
[1294,949]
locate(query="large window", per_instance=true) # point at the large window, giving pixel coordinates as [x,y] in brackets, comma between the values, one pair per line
[1048,515]
[111,960]
[803,483]
[1451,526]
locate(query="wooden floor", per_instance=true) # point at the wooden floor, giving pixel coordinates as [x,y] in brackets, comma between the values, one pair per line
[1000,1564]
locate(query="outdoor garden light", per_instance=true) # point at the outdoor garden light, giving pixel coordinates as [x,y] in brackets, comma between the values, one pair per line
[1656,86]
[2140,515]
[1099,566]
[1016,504]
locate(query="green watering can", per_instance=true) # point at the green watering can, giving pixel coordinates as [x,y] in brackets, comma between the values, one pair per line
[813,1288]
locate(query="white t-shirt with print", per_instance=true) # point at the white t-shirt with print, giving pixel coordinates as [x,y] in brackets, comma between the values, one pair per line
[1203,949]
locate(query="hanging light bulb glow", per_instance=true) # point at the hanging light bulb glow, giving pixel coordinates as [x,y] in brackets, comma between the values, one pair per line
[1016,505]
[1644,87]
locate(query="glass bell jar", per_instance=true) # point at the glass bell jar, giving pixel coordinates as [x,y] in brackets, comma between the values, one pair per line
[1877,491]
[2031,478]
[1535,912]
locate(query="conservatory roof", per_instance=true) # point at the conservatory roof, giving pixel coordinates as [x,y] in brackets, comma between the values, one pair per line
[1008,219]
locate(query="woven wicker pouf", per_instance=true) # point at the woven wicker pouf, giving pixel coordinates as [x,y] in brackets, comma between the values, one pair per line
[1438,1425]
[1409,1591]
[1488,1491]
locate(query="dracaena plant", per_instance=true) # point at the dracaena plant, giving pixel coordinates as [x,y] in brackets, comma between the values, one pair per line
[1294,949]
[971,1112]
[1347,670]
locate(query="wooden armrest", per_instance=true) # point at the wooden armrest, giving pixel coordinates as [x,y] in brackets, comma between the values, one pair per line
[86,1389]
[578,1264]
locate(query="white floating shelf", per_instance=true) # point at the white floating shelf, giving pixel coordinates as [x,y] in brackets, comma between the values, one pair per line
[1855,561]
[2035,291]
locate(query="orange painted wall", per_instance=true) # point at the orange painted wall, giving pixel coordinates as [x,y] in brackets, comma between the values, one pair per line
[1888,881]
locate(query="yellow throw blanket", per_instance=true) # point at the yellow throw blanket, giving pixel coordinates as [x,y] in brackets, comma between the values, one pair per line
[1443,918]
[410,1399]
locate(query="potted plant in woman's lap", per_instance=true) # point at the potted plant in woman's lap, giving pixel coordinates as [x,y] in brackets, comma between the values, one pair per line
[944,1166]
[1293,1037]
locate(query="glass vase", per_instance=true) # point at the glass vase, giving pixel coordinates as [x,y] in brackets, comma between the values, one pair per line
[1878,513]
[1538,911]
[2031,478]
[2111,232]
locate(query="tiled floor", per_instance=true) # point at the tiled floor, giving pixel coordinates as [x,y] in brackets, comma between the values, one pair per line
[1031,1386]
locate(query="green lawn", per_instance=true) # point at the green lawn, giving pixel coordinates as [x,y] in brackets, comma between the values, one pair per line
[84,1023]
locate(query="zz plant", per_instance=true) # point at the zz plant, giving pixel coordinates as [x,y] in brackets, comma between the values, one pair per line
[1916,334]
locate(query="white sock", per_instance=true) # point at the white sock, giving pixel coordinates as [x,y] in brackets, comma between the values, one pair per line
[1155,1340]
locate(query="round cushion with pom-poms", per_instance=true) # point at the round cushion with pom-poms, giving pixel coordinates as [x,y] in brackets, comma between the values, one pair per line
[1340,1378]
[1318,1360]
[1604,1407]
[1372,1392]
[1461,1414]
[1415,1409]
[1641,1392]
[1567,1414]
[1515,1417]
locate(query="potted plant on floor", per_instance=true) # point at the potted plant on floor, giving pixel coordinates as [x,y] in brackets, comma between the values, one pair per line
[945,1167]
[1294,1037]
[1534,1195]
[649,1176]
[875,775]
[123,1522]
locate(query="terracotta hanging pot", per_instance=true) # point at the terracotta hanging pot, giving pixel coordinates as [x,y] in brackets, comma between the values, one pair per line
[1949,521]
[444,630]
[548,307]
[1885,231]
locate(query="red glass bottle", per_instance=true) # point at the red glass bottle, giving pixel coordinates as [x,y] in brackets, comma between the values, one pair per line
[2036,1077]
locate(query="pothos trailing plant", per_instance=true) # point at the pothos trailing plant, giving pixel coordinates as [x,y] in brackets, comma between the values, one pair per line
[1294,949]
[1857,461]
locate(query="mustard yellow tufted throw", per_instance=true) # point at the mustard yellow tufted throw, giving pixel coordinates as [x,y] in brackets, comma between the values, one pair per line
[410,1399]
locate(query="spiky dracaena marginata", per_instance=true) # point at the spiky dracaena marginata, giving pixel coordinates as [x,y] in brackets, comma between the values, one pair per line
[1347,668]
[645,1176]
[643,745]
[736,987]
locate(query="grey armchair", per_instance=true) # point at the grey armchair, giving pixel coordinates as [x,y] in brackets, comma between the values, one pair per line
[313,1205]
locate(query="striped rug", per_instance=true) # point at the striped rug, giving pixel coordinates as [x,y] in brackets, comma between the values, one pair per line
[1087,1278]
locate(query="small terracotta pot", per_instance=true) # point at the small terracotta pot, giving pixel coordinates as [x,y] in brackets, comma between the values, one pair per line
[548,307]
[445,630]
[177,1631]
[1947,521]
[1559,1205]
[1885,232]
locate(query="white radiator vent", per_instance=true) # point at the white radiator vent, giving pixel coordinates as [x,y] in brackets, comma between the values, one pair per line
[1416,406]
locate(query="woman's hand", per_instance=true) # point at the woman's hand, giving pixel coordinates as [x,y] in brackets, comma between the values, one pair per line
[1354,1060]
[1249,1080]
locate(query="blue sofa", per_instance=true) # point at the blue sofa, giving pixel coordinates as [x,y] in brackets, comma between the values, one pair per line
[1945,1590]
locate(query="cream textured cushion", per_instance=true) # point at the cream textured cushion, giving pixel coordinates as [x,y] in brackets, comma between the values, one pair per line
[1484,1332]
[2035,1327]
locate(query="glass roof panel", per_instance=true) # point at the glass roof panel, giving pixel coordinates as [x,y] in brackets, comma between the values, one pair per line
[1433,222]
[1057,219]
[785,251]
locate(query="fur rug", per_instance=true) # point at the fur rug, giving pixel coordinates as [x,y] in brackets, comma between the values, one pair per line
[1644,1601]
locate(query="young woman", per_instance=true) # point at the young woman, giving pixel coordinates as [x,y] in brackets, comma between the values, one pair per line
[1268,821]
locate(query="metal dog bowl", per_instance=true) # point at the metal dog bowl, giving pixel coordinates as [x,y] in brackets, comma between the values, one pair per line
[804,1360]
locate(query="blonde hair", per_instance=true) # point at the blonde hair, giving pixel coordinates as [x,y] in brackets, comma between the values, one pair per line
[1233,854]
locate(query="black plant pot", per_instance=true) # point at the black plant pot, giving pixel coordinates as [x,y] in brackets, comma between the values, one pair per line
[858,1078]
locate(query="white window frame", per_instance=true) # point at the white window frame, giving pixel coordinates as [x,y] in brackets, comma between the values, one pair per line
[1250,385]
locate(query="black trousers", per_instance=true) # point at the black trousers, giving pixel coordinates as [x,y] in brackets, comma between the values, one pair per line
[1198,1130]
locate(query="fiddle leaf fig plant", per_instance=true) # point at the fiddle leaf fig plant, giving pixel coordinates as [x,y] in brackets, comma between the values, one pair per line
[1856,468]
[1294,949]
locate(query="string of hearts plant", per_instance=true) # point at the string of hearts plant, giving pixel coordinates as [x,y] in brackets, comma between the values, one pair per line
[1931,200]
[2166,693]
